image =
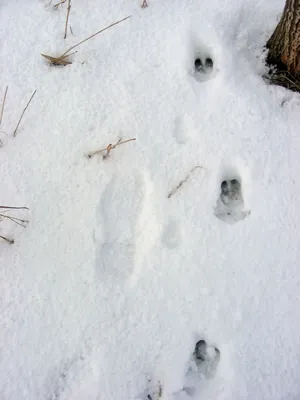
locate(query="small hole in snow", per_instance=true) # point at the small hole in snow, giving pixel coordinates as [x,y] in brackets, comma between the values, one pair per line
[209,63]
[198,64]
[200,350]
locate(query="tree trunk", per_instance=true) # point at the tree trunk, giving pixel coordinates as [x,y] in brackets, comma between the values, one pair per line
[284,44]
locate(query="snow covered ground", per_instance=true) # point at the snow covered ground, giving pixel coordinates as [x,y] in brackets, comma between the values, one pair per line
[128,262]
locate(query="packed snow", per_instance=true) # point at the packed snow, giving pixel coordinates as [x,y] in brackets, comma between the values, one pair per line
[170,268]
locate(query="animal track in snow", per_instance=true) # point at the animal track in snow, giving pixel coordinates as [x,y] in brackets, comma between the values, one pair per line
[179,131]
[204,65]
[202,367]
[171,234]
[61,378]
[128,226]
[230,205]
[121,206]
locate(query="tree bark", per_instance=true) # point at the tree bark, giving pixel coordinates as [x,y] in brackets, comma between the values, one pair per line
[284,44]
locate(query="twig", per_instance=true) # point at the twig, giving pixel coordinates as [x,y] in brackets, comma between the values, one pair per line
[145,4]
[10,241]
[58,4]
[71,30]
[109,148]
[3,104]
[173,191]
[63,59]
[67,18]
[97,33]
[15,131]
[16,220]
[15,208]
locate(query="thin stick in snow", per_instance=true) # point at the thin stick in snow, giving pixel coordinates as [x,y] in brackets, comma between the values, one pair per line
[109,148]
[173,191]
[95,34]
[15,208]
[16,220]
[3,104]
[63,59]
[10,241]
[58,4]
[67,18]
[15,131]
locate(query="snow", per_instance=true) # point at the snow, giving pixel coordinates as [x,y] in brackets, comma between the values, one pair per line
[106,292]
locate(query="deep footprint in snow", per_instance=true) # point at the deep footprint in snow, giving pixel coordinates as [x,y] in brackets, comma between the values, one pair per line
[171,235]
[202,367]
[230,205]
[204,68]
[120,208]
[179,131]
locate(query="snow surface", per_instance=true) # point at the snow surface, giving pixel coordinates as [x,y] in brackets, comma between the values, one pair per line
[106,292]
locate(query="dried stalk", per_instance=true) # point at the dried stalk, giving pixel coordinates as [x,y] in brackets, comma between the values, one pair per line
[15,131]
[95,34]
[109,148]
[173,191]
[63,59]
[59,4]
[15,208]
[67,18]
[16,220]
[3,104]
[10,241]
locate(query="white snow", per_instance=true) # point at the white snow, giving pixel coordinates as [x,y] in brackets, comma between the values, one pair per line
[106,292]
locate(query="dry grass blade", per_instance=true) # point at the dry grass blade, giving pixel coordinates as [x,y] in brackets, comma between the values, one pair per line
[183,181]
[61,60]
[95,34]
[15,131]
[3,104]
[15,208]
[10,241]
[109,148]
[17,221]
[285,79]
[67,18]
[59,4]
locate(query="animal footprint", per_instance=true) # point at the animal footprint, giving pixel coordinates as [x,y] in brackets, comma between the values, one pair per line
[204,67]
[179,131]
[230,205]
[202,368]
[171,235]
[120,208]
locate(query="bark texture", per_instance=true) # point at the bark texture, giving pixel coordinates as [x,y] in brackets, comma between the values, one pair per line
[284,44]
